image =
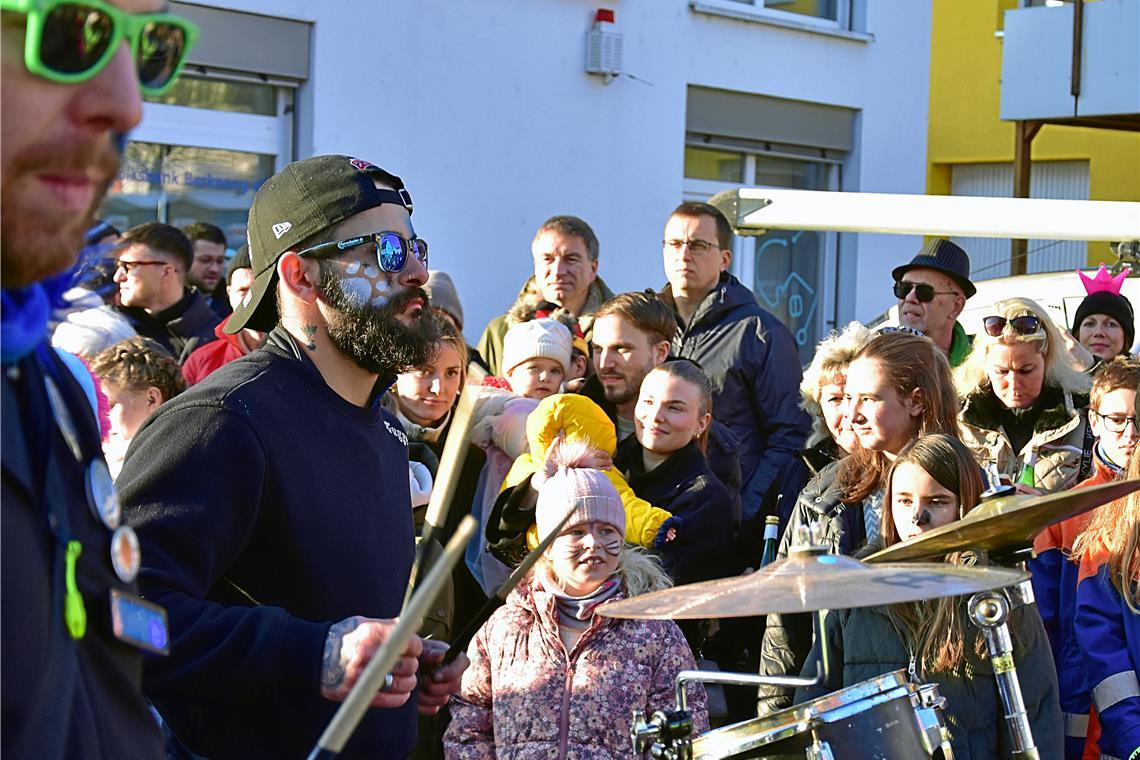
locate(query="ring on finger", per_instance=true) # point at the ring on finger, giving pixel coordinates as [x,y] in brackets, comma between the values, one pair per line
[388,681]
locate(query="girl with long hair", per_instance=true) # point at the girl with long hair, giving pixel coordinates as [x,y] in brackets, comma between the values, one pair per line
[549,676]
[933,482]
[1108,622]
[897,387]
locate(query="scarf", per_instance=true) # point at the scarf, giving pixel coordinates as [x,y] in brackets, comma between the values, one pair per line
[578,611]
[26,313]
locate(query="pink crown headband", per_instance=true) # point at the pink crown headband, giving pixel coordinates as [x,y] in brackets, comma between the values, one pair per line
[1103,282]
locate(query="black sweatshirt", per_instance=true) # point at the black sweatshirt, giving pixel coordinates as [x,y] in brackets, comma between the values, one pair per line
[268,508]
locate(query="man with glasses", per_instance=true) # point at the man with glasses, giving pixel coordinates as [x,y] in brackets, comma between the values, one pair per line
[932,291]
[273,496]
[748,354]
[207,271]
[69,92]
[151,269]
[1112,418]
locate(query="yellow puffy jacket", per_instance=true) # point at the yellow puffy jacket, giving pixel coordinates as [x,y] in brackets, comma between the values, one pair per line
[579,418]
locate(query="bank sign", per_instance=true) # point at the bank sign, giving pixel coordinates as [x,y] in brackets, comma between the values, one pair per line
[190,180]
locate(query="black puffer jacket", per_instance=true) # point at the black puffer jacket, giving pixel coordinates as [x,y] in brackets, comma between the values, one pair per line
[180,329]
[754,366]
[868,644]
[685,486]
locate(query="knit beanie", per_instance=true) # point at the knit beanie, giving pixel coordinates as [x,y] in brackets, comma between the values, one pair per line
[1115,306]
[443,295]
[545,337]
[570,484]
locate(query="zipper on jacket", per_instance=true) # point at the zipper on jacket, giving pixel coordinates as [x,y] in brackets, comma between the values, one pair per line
[564,718]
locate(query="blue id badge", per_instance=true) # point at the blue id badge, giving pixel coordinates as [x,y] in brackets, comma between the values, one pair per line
[139,623]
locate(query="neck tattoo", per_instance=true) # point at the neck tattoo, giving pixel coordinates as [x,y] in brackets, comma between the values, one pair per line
[310,333]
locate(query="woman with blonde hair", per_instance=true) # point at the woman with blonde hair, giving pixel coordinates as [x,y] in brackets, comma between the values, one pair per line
[1023,405]
[1108,623]
[933,482]
[549,676]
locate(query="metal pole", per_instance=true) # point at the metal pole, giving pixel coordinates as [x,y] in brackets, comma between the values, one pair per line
[989,611]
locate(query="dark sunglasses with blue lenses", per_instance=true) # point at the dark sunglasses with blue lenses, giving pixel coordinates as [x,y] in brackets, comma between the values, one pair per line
[391,249]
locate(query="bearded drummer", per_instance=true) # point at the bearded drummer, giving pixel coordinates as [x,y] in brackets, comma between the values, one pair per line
[934,481]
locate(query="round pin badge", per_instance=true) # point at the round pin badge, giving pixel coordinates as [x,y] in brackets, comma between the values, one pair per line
[101,494]
[125,553]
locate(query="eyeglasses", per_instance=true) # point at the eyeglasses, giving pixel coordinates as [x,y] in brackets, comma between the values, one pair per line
[923,292]
[1026,324]
[71,41]
[696,245]
[391,249]
[1117,423]
[129,266]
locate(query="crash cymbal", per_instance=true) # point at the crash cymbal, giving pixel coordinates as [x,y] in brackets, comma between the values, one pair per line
[805,582]
[1004,524]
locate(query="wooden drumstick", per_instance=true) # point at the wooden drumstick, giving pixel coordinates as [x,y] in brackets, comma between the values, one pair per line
[349,714]
[463,638]
[443,490]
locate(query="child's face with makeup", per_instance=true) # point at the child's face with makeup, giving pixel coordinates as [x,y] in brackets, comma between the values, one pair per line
[584,556]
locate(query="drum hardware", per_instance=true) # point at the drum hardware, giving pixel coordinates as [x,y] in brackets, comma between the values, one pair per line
[665,735]
[819,750]
[989,611]
[888,716]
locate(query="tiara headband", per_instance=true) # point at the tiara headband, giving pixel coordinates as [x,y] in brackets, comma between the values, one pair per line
[1103,282]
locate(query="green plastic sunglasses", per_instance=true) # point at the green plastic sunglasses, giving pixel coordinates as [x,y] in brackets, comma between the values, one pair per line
[70,41]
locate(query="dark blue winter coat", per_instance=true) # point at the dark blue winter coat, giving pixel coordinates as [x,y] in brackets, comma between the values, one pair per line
[684,485]
[754,366]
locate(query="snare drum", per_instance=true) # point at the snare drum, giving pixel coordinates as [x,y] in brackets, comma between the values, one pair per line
[887,718]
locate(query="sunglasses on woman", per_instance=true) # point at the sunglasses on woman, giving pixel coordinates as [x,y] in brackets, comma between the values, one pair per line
[923,292]
[391,249]
[1026,324]
[71,41]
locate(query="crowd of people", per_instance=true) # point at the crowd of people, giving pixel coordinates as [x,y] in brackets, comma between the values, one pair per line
[215,472]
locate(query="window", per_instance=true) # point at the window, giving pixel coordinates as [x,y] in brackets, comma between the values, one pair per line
[823,14]
[784,269]
[181,185]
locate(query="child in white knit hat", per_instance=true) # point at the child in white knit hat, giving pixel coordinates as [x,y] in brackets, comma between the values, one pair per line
[536,357]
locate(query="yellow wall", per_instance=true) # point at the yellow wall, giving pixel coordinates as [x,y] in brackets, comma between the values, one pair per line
[964,127]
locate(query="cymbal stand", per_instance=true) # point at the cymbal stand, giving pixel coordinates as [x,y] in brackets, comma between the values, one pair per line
[989,612]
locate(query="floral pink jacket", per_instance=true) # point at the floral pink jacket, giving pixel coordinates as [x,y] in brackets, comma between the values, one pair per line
[525,697]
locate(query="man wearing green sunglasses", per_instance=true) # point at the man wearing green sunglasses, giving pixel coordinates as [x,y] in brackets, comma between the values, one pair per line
[72,624]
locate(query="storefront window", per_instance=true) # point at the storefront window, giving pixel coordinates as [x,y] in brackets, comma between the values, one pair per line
[181,185]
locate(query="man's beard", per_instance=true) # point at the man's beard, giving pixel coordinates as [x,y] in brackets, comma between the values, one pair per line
[39,242]
[630,391]
[373,336]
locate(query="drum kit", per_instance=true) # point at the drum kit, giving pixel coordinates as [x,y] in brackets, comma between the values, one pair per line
[889,717]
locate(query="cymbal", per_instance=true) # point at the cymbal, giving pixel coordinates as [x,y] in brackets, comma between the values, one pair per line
[1004,524]
[806,582]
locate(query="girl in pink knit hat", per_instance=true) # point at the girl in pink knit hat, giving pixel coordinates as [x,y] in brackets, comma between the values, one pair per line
[549,677]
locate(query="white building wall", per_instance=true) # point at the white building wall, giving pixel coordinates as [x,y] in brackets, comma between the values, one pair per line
[485,110]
